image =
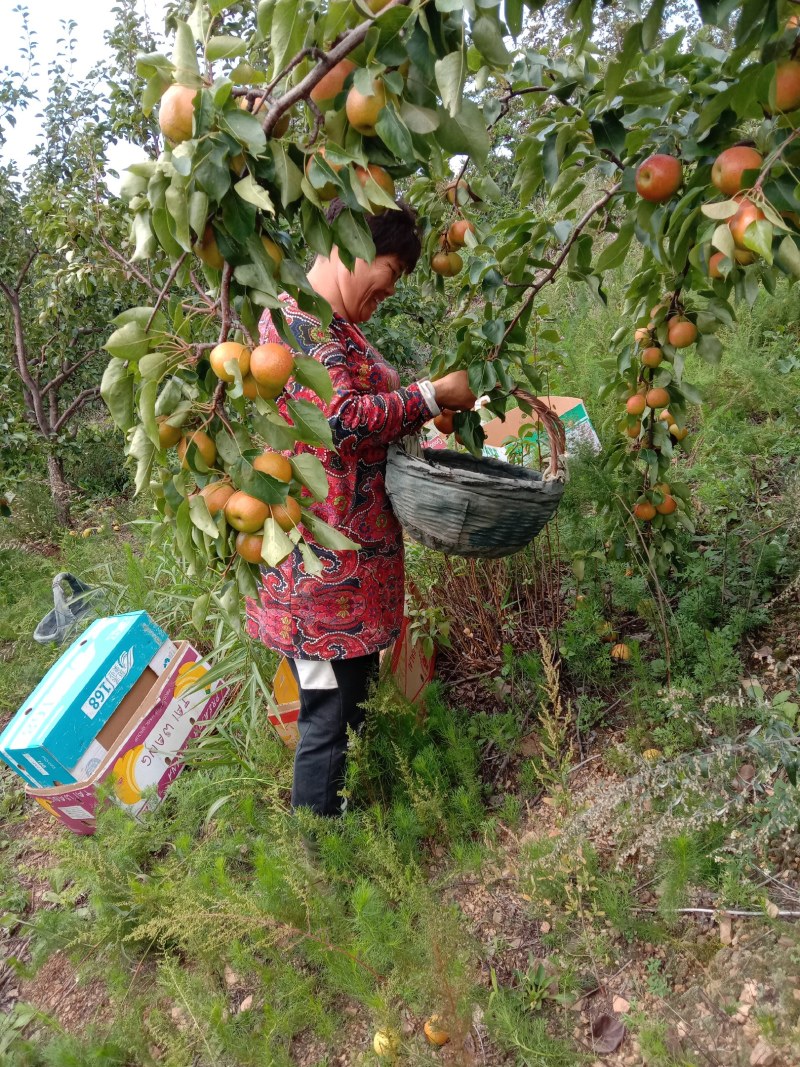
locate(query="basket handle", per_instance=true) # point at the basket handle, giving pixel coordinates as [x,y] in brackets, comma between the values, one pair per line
[553,426]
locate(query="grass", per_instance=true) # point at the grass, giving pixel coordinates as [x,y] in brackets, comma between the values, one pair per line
[370,937]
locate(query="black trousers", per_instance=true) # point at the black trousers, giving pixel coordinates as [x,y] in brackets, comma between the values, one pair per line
[331,696]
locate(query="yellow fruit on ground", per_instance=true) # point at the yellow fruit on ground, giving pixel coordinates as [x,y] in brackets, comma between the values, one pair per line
[681,332]
[386,1043]
[176,113]
[275,465]
[621,652]
[448,264]
[651,754]
[286,515]
[207,249]
[362,111]
[272,366]
[216,495]
[644,511]
[224,353]
[168,436]
[333,82]
[248,546]
[652,357]
[382,178]
[246,513]
[435,1032]
[204,445]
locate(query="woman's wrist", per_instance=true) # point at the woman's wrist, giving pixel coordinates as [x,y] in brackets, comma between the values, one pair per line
[428,390]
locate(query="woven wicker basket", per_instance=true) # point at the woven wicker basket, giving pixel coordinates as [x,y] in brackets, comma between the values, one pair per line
[464,505]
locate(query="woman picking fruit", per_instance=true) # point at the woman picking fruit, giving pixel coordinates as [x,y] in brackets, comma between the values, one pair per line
[332,626]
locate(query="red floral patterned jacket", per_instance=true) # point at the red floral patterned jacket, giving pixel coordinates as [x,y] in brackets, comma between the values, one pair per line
[355,606]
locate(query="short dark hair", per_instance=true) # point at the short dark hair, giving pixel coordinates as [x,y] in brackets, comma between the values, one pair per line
[394,232]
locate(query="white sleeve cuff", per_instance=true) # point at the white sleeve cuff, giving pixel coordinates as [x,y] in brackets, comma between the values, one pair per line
[428,390]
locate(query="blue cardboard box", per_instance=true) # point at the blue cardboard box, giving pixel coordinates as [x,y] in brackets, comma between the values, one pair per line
[62,716]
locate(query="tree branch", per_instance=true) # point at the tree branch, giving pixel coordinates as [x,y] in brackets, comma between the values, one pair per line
[26,268]
[350,41]
[81,400]
[59,379]
[170,279]
[225,302]
[550,274]
[21,359]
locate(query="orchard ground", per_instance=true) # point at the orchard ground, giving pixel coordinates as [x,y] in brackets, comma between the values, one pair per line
[517,860]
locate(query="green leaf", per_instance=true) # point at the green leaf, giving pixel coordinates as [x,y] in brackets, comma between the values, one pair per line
[312,562]
[310,424]
[788,257]
[422,120]
[287,174]
[614,255]
[201,516]
[275,545]
[253,193]
[288,32]
[129,342]
[451,73]
[758,238]
[326,535]
[275,430]
[147,410]
[724,209]
[310,472]
[392,131]
[187,72]
[245,128]
[262,486]
[116,389]
[466,133]
[311,373]
[225,48]
[178,208]
[352,235]
[200,612]
[488,39]
[142,449]
[709,348]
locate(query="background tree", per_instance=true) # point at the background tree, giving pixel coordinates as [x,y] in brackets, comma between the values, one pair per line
[58,283]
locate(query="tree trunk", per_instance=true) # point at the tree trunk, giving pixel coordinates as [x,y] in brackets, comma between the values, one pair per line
[59,489]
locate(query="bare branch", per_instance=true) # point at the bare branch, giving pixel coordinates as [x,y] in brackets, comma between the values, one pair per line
[170,279]
[67,372]
[550,274]
[225,302]
[350,41]
[81,400]
[26,268]
[30,387]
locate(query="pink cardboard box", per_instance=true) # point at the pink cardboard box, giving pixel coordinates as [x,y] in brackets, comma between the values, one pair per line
[142,743]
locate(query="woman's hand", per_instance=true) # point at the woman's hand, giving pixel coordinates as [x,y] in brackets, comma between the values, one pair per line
[453,392]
